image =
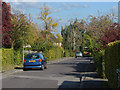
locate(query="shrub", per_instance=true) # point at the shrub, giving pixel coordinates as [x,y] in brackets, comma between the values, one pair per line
[66,53]
[54,53]
[99,62]
[112,62]
[10,58]
[72,54]
[17,57]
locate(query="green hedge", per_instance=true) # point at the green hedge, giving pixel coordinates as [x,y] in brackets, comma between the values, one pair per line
[66,53]
[10,58]
[69,53]
[99,62]
[54,53]
[112,62]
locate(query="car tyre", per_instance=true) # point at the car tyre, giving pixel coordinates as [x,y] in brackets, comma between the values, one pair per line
[45,67]
[24,69]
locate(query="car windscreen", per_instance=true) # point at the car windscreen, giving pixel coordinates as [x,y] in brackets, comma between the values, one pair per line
[32,56]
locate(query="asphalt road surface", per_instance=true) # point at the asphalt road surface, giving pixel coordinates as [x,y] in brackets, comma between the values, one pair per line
[64,74]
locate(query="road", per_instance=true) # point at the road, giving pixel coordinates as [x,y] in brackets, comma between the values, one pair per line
[64,74]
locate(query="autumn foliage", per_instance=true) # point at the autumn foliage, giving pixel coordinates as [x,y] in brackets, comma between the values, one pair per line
[0,23]
[6,25]
[112,34]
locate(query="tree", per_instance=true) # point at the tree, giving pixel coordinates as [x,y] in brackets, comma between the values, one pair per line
[23,29]
[0,24]
[95,29]
[42,45]
[112,34]
[72,35]
[98,25]
[59,38]
[50,25]
[33,32]
[6,25]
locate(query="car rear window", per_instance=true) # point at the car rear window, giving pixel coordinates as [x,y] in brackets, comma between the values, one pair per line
[32,56]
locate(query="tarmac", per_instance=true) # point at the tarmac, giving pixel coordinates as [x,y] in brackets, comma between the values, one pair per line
[87,79]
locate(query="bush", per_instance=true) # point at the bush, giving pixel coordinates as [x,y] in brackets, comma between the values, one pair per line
[66,53]
[72,54]
[99,62]
[10,58]
[112,62]
[54,53]
[18,59]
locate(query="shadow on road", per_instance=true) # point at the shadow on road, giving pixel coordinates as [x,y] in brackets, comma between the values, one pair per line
[18,67]
[95,84]
[69,85]
[80,68]
[28,69]
[86,69]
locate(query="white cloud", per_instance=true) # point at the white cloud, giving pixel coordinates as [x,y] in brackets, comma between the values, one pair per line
[68,6]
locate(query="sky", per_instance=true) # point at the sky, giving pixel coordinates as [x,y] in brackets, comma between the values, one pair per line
[65,11]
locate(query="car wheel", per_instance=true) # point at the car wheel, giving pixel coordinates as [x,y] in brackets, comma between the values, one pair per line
[76,57]
[24,69]
[45,67]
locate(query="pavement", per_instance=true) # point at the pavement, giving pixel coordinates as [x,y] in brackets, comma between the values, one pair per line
[90,79]
[62,73]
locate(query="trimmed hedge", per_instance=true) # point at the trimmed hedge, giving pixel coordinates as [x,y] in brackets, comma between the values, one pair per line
[54,53]
[69,53]
[10,58]
[57,52]
[112,62]
[99,62]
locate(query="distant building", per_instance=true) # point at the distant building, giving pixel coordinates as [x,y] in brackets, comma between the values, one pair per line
[57,44]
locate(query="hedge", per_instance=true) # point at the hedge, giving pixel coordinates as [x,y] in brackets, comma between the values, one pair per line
[57,52]
[99,62]
[112,62]
[10,58]
[54,53]
[66,53]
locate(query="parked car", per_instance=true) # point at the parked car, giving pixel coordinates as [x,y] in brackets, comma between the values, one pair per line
[34,60]
[86,54]
[78,54]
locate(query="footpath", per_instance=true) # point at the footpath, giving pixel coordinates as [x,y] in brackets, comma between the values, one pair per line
[90,79]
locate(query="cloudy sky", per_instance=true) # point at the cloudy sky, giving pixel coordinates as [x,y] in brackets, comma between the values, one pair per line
[66,11]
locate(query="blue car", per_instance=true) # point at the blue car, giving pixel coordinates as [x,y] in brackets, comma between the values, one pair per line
[34,61]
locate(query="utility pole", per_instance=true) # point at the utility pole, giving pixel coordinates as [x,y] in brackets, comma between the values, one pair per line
[23,46]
